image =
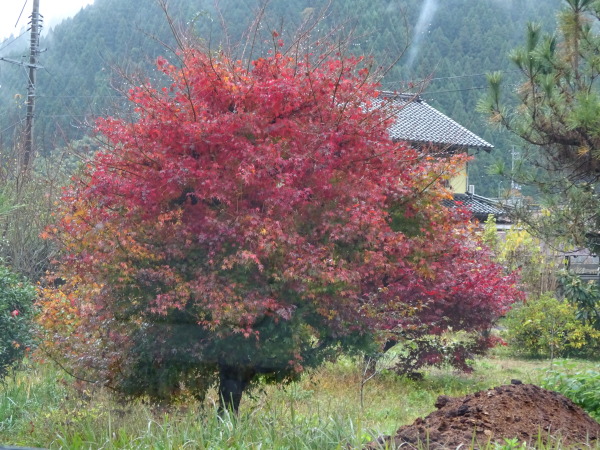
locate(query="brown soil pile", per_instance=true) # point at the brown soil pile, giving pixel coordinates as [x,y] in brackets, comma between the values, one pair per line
[521,411]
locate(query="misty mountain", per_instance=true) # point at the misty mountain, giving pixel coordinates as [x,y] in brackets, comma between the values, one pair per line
[450,43]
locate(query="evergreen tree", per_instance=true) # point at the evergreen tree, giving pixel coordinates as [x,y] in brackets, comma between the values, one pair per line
[556,115]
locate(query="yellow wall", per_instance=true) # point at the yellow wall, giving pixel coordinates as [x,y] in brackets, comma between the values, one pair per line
[459,184]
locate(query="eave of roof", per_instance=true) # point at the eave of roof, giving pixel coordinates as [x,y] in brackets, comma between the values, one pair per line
[416,121]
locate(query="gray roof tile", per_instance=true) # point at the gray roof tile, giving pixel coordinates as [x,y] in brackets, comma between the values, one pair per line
[480,207]
[416,121]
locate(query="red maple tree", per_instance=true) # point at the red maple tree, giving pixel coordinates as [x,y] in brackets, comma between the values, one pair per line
[250,223]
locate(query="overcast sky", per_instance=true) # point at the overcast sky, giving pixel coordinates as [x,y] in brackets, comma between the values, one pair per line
[52,10]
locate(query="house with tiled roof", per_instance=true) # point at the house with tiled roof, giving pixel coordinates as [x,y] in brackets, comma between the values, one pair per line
[418,122]
[423,126]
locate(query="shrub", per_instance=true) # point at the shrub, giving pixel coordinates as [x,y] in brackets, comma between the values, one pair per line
[455,349]
[545,326]
[583,387]
[519,250]
[584,295]
[16,311]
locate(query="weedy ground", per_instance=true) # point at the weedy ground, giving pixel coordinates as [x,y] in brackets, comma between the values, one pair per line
[41,406]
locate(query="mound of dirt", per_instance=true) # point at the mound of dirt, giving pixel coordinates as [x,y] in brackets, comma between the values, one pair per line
[521,411]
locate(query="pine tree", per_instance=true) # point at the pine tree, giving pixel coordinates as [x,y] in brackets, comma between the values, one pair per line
[556,115]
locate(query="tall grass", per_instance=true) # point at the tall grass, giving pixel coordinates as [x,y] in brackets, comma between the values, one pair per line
[41,407]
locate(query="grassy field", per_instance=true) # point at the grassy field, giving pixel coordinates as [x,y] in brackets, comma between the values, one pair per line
[41,406]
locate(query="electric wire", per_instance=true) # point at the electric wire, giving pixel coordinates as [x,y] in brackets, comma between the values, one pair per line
[391,83]
[453,77]
[471,75]
[474,88]
[11,126]
[16,23]
[13,41]
[21,13]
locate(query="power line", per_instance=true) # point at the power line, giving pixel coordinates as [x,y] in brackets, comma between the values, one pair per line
[55,116]
[455,90]
[21,13]
[81,96]
[11,126]
[16,23]
[453,77]
[461,90]
[471,75]
[13,41]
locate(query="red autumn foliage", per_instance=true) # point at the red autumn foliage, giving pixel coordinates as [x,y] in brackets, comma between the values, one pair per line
[254,222]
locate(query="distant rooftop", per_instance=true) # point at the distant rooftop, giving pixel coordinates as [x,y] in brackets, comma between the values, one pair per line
[480,207]
[417,121]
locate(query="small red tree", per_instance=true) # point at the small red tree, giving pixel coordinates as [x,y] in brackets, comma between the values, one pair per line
[251,223]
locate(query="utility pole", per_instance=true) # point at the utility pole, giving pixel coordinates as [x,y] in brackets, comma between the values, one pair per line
[34,50]
[513,184]
[33,53]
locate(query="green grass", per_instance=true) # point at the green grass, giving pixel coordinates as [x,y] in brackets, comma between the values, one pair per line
[42,407]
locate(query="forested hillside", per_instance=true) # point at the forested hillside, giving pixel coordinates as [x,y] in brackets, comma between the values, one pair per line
[453,42]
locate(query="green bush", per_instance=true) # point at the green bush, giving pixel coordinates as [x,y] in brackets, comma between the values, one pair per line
[584,295]
[16,312]
[548,327]
[583,387]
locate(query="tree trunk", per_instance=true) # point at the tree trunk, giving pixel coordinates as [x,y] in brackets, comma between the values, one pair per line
[232,383]
[370,361]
